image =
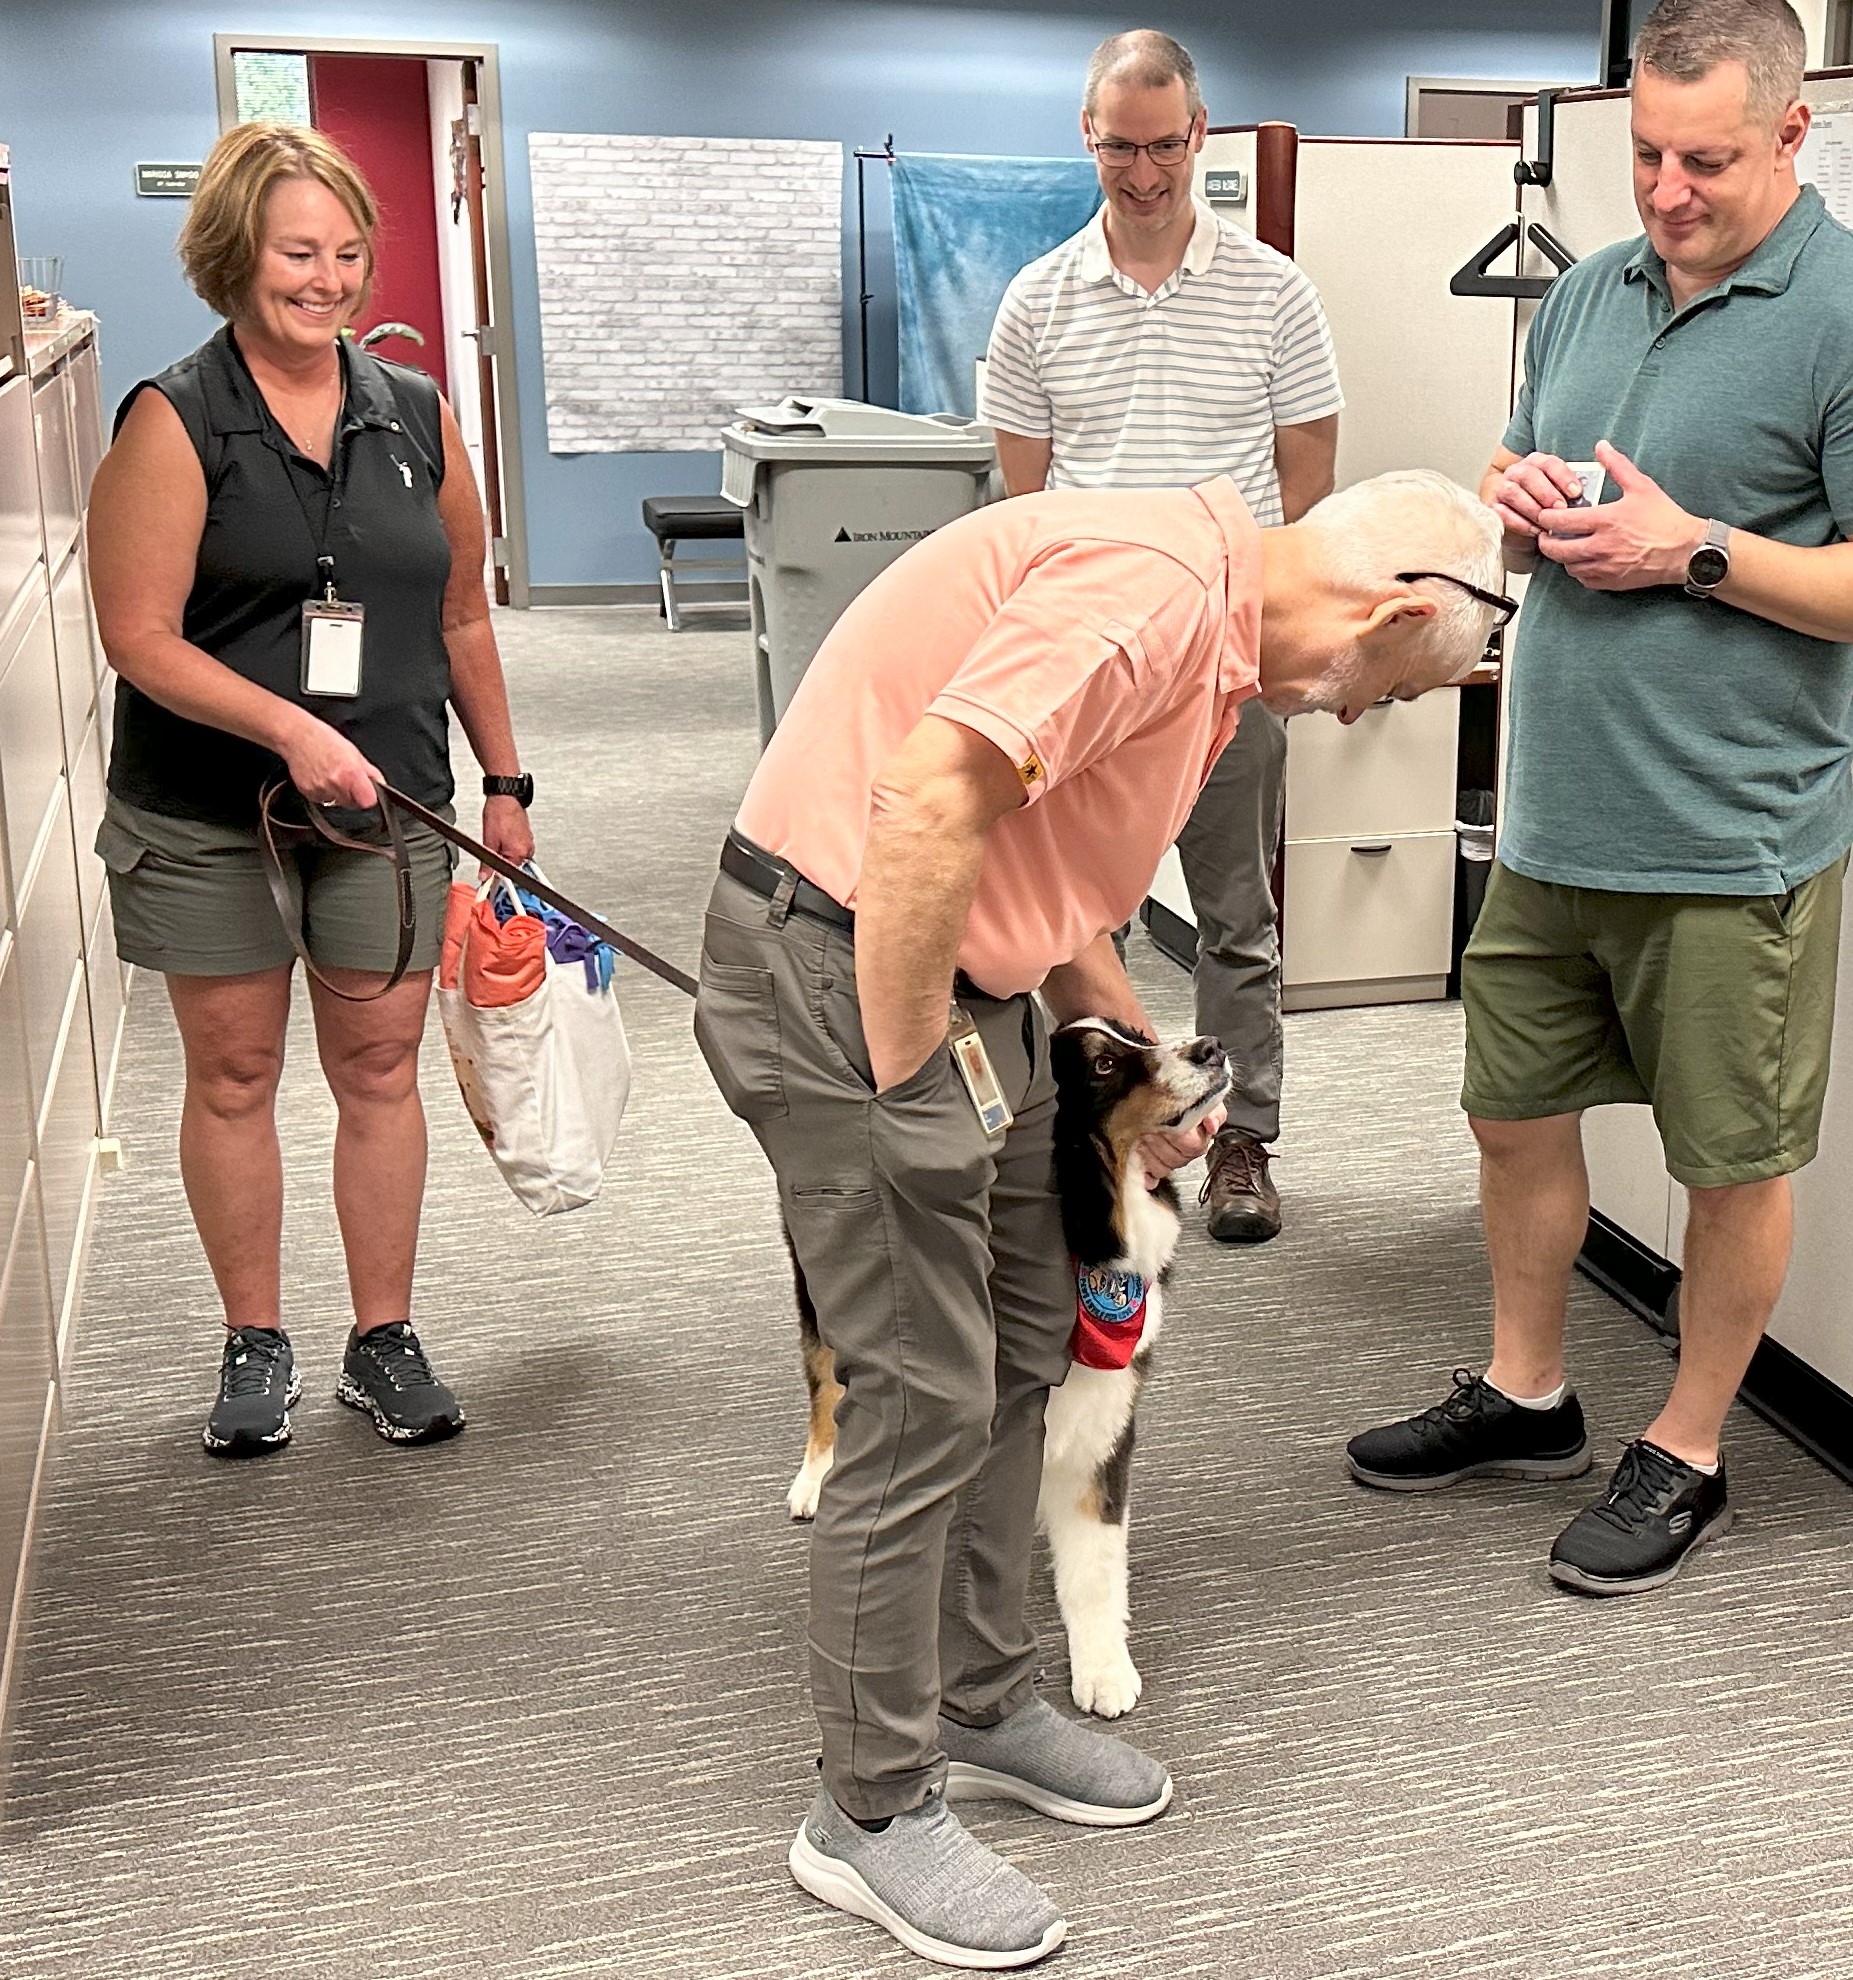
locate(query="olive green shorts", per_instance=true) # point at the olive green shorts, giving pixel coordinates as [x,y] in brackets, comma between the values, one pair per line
[1715,1009]
[190,898]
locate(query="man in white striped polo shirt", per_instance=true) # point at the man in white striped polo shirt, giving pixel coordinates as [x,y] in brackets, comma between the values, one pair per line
[1159,347]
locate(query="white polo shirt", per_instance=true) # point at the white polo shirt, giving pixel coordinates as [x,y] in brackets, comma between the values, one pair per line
[1162,390]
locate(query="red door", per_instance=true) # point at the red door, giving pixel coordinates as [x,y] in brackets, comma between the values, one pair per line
[376,109]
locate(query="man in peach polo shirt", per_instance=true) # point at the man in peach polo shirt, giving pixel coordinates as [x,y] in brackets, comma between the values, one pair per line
[970,790]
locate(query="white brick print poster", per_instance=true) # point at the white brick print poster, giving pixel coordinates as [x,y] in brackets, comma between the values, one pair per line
[680,278]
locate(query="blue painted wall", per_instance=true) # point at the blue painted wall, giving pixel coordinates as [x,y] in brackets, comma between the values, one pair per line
[86,90]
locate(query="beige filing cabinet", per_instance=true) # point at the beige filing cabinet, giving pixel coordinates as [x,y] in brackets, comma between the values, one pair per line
[62,991]
[1368,916]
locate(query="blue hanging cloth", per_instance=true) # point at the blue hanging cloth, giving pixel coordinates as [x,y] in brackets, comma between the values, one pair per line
[962,228]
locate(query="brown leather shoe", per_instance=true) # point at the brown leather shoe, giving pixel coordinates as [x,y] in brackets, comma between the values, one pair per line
[1244,1204]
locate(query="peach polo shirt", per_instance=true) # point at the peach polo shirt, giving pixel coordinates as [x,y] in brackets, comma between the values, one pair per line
[1104,640]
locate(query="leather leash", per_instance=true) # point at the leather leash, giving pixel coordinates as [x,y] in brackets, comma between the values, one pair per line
[276,832]
[287,831]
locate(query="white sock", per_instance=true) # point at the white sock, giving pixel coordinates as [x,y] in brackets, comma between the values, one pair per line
[1532,1402]
[1705,1470]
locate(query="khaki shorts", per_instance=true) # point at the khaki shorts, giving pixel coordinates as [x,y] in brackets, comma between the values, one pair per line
[190,898]
[1716,1009]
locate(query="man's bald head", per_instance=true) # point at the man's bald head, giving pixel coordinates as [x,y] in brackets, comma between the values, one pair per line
[1143,59]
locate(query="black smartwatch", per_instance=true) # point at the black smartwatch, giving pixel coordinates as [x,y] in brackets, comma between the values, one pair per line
[1710,564]
[521,788]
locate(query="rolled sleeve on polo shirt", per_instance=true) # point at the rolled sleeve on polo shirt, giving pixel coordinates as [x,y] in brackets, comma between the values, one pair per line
[1072,660]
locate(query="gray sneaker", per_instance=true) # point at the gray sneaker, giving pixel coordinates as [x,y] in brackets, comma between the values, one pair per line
[923,1878]
[1056,1767]
[258,1387]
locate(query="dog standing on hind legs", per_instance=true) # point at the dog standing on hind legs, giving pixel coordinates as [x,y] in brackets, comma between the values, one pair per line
[1115,1087]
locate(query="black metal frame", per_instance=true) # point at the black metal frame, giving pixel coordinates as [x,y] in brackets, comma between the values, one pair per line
[864,296]
[1617,43]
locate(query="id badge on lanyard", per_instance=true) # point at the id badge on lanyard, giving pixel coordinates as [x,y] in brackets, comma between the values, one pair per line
[333,631]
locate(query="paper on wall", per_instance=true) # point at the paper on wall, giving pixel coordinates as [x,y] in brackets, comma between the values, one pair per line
[680,278]
[1826,161]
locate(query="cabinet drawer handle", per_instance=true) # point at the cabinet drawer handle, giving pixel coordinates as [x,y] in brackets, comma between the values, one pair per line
[1373,848]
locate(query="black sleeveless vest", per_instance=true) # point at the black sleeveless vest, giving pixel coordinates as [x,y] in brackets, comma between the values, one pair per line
[268,511]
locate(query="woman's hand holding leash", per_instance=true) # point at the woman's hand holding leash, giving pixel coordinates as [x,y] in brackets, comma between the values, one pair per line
[326,768]
[506,829]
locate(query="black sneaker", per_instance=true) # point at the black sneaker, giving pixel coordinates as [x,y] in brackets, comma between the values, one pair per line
[1657,1510]
[258,1387]
[385,1373]
[1476,1433]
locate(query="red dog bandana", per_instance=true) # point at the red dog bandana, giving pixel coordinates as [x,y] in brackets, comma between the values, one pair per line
[1109,1316]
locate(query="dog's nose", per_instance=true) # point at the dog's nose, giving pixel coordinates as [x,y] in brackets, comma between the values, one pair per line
[1203,1052]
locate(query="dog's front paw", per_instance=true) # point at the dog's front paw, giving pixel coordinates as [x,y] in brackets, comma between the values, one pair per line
[1106,1684]
[801,1500]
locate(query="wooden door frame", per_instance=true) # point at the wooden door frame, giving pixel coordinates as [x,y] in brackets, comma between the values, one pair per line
[495,195]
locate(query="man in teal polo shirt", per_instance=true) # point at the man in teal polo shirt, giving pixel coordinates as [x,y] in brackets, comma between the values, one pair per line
[1663,921]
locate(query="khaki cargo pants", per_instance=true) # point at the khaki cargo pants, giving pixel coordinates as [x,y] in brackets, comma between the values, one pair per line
[940,1276]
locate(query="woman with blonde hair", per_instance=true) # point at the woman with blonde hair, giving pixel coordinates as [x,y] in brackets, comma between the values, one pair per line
[286,548]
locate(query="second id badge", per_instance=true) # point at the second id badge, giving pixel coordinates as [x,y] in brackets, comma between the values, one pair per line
[979,1075]
[332,632]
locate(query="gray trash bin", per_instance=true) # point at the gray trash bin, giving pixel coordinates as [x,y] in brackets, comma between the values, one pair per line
[833,492]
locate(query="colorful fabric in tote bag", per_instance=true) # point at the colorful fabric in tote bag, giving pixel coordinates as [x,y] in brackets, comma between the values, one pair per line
[531,1017]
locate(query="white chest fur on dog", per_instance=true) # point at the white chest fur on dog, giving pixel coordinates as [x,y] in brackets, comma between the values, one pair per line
[1116,1087]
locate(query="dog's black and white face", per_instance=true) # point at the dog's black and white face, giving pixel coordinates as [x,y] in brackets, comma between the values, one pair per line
[1116,1087]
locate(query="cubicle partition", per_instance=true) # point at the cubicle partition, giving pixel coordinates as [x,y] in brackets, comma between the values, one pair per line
[1803,1376]
[1380,226]
[62,991]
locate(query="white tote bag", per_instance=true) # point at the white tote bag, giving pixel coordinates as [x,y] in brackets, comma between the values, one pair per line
[545,1077]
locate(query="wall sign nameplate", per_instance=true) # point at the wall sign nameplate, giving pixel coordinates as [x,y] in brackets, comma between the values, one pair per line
[1231,187]
[166,181]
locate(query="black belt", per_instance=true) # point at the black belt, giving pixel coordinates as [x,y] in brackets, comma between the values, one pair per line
[768,875]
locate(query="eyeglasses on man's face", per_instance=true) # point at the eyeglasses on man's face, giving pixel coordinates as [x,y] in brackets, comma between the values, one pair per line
[1122,152]
[1501,604]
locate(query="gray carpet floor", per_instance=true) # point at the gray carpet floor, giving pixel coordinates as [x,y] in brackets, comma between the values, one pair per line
[531,1704]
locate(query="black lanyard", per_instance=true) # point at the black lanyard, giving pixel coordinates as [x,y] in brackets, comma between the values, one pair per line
[318,540]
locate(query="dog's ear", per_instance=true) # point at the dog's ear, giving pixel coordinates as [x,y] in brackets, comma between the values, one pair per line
[1085,1178]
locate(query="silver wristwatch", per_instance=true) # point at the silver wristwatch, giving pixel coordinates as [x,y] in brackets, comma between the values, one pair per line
[1710,564]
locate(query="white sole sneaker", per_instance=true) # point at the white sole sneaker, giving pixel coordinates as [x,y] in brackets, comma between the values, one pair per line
[348,1391]
[255,1446]
[967,1782]
[838,1884]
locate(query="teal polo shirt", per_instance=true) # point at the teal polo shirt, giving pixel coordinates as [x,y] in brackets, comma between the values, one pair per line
[1660,743]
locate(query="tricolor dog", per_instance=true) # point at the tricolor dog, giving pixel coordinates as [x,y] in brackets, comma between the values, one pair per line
[1115,1087]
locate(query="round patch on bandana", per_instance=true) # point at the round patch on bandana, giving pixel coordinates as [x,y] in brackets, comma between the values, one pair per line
[1109,1297]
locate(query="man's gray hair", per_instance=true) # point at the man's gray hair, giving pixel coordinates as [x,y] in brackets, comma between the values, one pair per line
[1684,40]
[1415,519]
[1146,59]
